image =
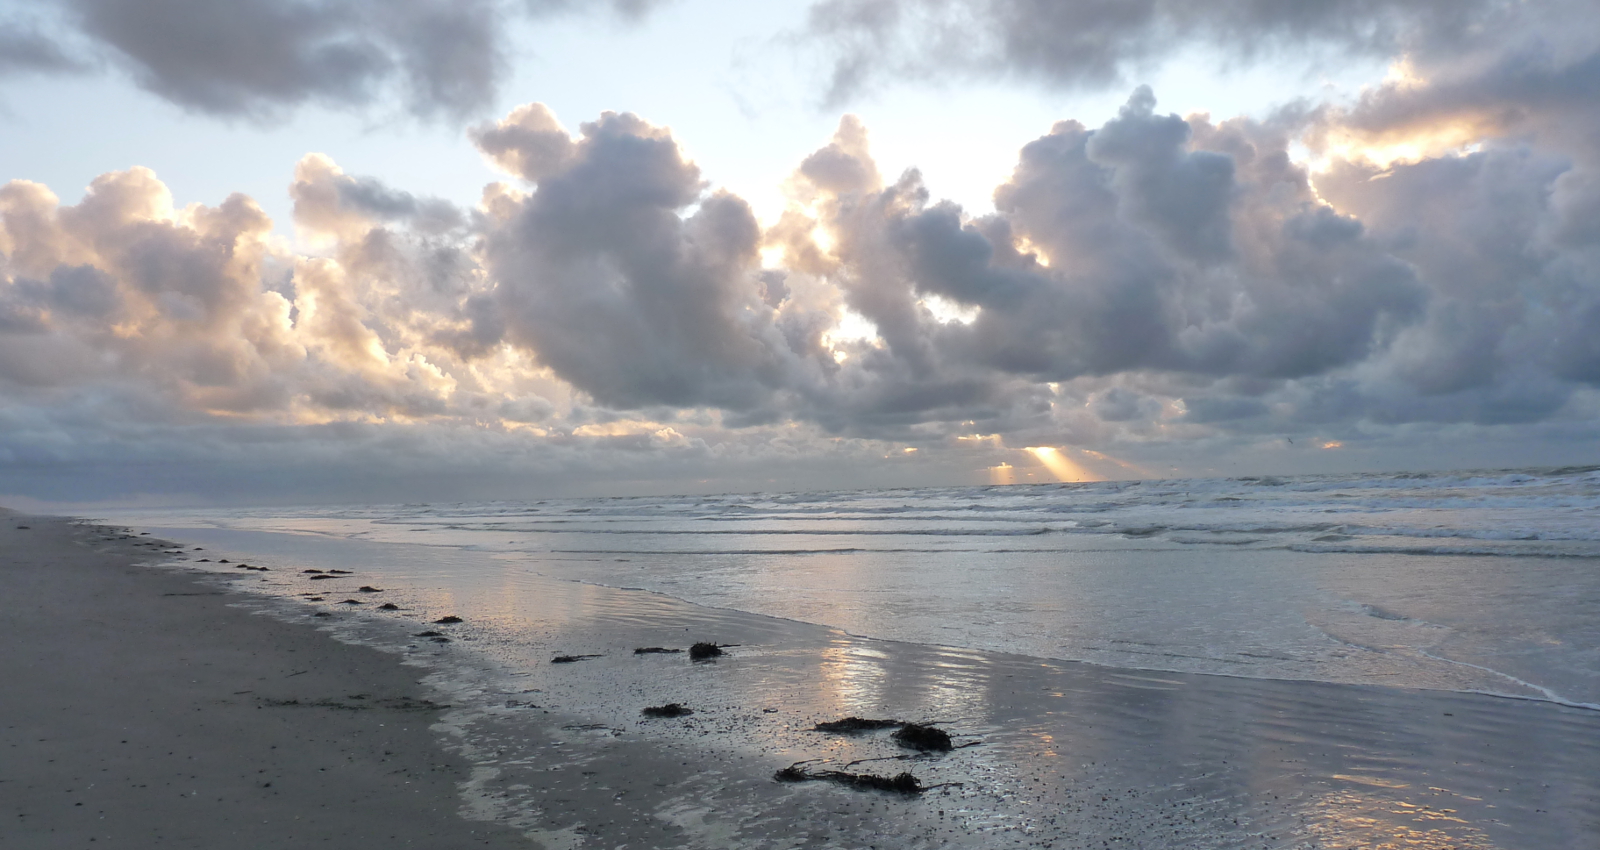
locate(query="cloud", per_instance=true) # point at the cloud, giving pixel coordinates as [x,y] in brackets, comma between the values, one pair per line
[436,59]
[25,49]
[1153,283]
[604,273]
[1094,43]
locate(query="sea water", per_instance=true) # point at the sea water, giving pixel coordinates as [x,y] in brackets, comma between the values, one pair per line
[1371,626]
[1469,581]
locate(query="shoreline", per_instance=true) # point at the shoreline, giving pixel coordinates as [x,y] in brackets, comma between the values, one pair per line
[142,708]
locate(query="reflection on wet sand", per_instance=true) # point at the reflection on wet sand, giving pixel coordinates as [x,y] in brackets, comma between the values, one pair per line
[1377,821]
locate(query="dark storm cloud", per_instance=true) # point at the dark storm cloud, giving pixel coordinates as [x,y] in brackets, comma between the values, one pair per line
[1085,43]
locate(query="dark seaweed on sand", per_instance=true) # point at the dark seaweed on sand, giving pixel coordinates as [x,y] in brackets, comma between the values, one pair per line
[388,606]
[855,725]
[654,650]
[702,651]
[367,588]
[914,736]
[903,783]
[569,659]
[445,621]
[926,738]
[429,633]
[671,709]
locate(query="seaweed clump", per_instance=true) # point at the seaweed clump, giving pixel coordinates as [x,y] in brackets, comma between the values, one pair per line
[445,621]
[571,659]
[925,738]
[855,725]
[654,650]
[671,709]
[901,783]
[702,651]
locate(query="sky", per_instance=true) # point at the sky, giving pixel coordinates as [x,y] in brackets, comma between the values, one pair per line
[278,251]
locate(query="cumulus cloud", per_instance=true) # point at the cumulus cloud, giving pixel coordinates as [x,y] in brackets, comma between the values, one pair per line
[1154,281]
[606,275]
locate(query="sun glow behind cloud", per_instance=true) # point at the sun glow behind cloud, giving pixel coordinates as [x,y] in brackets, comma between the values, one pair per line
[1065,469]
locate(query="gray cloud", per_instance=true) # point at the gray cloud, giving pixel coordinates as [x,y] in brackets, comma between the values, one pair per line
[1155,281]
[25,49]
[259,56]
[600,275]
[438,59]
[1093,43]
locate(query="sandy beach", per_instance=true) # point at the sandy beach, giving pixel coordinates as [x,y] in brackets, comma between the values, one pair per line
[197,701]
[141,710]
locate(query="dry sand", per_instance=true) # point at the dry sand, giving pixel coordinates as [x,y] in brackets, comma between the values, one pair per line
[139,710]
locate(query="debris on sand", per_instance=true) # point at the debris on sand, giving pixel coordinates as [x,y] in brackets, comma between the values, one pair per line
[367,588]
[321,578]
[856,725]
[671,709]
[350,602]
[925,738]
[902,783]
[570,659]
[702,651]
[429,633]
[339,572]
[654,650]
[313,572]
[388,606]
[915,736]
[445,621]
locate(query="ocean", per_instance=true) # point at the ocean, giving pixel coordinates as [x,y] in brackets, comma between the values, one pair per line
[1458,594]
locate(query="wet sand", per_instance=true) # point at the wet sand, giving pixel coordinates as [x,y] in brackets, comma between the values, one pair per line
[140,710]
